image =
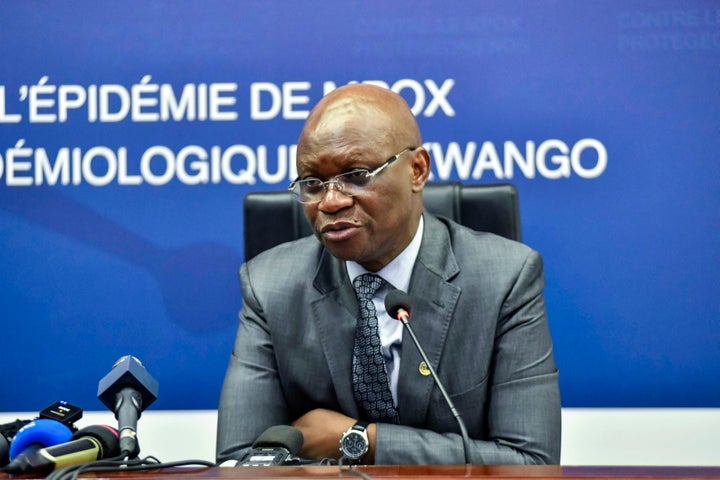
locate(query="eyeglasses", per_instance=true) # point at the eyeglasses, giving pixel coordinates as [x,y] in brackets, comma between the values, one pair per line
[354,182]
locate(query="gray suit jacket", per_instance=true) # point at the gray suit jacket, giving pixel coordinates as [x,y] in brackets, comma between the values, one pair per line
[478,311]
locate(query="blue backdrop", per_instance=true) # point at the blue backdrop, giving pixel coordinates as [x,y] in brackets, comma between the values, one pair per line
[130,133]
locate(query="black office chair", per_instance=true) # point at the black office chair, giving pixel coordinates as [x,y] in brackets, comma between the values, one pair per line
[272,218]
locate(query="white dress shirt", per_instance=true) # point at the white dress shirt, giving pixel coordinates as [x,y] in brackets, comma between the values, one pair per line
[397,275]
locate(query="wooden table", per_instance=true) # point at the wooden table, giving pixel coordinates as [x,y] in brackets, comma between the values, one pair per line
[415,472]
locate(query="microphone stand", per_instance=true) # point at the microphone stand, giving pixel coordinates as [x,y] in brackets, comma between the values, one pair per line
[456,414]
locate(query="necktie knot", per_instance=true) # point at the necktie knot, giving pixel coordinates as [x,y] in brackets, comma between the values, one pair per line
[366,285]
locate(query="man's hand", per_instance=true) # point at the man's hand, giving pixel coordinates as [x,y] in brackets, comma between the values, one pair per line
[322,430]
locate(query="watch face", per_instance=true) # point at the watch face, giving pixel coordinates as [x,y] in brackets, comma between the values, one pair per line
[354,445]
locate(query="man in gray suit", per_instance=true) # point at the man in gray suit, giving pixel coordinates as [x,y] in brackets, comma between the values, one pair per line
[300,354]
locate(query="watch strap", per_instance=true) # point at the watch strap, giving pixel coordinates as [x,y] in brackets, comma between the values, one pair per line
[360,425]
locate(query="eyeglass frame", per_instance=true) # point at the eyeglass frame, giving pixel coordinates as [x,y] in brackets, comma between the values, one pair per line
[338,186]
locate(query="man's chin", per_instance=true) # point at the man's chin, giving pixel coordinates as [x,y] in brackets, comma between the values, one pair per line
[342,252]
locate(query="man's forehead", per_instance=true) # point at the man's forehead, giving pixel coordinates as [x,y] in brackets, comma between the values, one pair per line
[345,130]
[349,111]
[335,153]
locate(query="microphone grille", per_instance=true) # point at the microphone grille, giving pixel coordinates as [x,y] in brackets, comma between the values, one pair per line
[396,300]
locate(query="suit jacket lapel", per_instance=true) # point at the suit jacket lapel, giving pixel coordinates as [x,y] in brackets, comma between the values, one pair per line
[334,312]
[433,301]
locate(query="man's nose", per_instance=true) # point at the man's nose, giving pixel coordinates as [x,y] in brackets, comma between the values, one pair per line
[333,198]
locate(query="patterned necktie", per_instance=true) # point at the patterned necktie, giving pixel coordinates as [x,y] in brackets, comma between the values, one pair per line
[371,384]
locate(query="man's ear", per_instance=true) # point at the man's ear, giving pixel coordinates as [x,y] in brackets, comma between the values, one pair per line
[420,168]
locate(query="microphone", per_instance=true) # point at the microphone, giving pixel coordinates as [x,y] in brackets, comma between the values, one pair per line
[4,449]
[275,446]
[128,390]
[89,444]
[397,304]
[54,425]
[37,434]
[7,433]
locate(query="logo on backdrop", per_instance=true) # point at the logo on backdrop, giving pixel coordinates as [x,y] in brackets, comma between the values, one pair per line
[26,164]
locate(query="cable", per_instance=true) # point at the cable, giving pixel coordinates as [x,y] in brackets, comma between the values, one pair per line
[120,464]
[350,470]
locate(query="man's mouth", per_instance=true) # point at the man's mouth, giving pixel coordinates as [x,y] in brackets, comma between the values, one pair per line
[338,231]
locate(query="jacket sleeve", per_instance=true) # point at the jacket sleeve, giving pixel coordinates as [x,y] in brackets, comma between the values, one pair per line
[245,411]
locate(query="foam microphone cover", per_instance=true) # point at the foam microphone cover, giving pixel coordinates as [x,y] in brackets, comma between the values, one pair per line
[127,372]
[42,432]
[396,300]
[107,437]
[7,432]
[283,436]
[87,445]
[4,450]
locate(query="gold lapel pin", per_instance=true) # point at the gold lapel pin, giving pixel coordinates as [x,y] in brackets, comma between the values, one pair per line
[423,369]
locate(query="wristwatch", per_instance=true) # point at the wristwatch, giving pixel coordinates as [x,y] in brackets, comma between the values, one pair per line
[354,442]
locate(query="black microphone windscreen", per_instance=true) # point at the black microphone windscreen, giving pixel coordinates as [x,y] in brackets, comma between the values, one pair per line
[127,372]
[396,300]
[4,449]
[7,432]
[107,436]
[284,436]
